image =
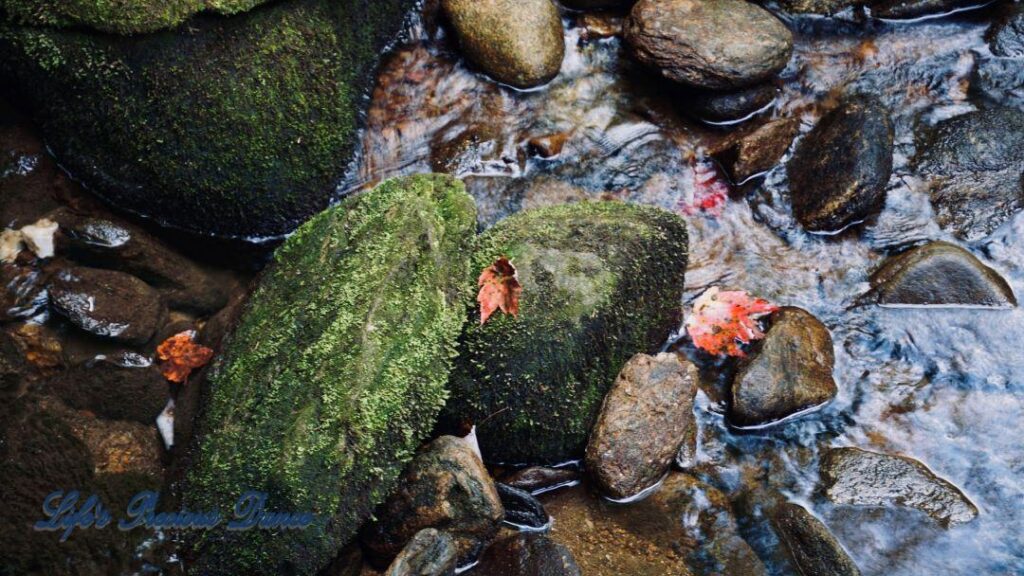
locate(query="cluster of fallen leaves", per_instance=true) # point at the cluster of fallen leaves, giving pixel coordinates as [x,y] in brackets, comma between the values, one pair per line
[180,355]
[722,320]
[499,289]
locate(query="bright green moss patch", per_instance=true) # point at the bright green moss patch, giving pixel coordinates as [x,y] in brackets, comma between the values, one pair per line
[117,16]
[336,371]
[601,282]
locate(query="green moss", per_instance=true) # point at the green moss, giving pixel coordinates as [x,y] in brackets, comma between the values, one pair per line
[116,16]
[336,371]
[601,282]
[236,126]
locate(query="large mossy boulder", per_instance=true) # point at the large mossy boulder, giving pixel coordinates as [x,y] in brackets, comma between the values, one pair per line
[600,282]
[335,373]
[238,126]
[121,17]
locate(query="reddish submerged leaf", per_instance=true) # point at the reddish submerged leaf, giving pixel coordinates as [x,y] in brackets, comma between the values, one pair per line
[499,289]
[180,355]
[721,321]
[710,190]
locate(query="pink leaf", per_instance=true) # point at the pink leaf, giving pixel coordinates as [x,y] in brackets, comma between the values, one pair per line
[721,321]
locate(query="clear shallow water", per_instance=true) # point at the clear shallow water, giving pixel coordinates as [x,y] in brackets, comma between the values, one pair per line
[945,386]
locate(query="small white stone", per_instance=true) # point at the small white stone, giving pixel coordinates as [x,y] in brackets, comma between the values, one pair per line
[39,237]
[165,424]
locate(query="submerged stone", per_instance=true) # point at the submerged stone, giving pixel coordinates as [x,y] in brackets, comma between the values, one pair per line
[238,126]
[601,281]
[528,555]
[335,373]
[812,548]
[108,304]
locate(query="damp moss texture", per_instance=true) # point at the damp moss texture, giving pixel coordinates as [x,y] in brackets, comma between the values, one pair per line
[601,282]
[117,16]
[238,126]
[335,373]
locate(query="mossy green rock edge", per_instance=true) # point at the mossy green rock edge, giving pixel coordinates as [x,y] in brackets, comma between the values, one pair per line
[233,127]
[601,282]
[335,373]
[122,17]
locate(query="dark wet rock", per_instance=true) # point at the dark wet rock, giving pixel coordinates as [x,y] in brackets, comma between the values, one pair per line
[108,243]
[236,126]
[127,17]
[22,292]
[12,365]
[914,8]
[812,548]
[760,150]
[999,80]
[1006,35]
[362,344]
[839,171]
[108,304]
[857,477]
[972,166]
[824,7]
[789,371]
[725,106]
[601,282]
[642,423]
[445,487]
[429,553]
[714,44]
[528,555]
[518,42]
[521,508]
[938,274]
[120,388]
[538,478]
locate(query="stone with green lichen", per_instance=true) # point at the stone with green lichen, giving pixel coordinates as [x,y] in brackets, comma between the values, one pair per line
[122,17]
[237,126]
[335,373]
[601,282]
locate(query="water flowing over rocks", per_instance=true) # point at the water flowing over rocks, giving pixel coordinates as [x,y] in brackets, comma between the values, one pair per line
[428,553]
[857,477]
[730,106]
[789,371]
[915,8]
[518,42]
[107,304]
[1006,35]
[536,478]
[839,171]
[938,274]
[643,423]
[714,44]
[813,549]
[760,150]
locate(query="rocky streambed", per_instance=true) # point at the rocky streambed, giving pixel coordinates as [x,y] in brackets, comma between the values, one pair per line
[617,172]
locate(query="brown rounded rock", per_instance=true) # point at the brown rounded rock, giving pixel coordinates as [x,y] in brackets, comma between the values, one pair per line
[108,304]
[811,546]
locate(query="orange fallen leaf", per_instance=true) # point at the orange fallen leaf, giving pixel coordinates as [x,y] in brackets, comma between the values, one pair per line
[499,289]
[721,321]
[180,355]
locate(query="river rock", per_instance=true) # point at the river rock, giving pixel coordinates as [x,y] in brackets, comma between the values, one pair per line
[537,479]
[642,424]
[236,126]
[518,42]
[12,365]
[972,167]
[335,372]
[824,7]
[445,487]
[915,8]
[1006,35]
[428,553]
[125,387]
[600,282]
[125,17]
[789,371]
[760,150]
[110,243]
[108,304]
[726,106]
[596,4]
[938,274]
[812,548]
[861,478]
[839,171]
[528,555]
[521,508]
[714,44]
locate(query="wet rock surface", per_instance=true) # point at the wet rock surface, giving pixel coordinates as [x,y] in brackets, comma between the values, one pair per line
[787,372]
[1006,35]
[528,555]
[858,477]
[914,8]
[760,150]
[812,548]
[972,166]
[714,44]
[428,553]
[839,171]
[730,106]
[521,508]
[825,7]
[518,42]
[938,274]
[107,304]
[125,388]
[642,424]
[445,487]
[537,478]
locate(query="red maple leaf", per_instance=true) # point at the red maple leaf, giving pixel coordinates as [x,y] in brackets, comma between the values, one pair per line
[180,355]
[709,191]
[721,321]
[499,289]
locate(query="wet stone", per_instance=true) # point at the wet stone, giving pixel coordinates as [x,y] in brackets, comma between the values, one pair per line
[528,555]
[128,387]
[760,150]
[730,106]
[540,478]
[857,477]
[915,8]
[824,7]
[521,508]
[107,304]
[1006,35]
[12,365]
[812,548]
[429,553]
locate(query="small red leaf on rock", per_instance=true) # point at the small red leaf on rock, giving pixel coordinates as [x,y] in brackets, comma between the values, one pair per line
[180,355]
[721,321]
[499,289]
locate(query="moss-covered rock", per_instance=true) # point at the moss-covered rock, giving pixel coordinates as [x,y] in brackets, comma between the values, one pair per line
[122,17]
[601,282]
[335,372]
[236,126]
